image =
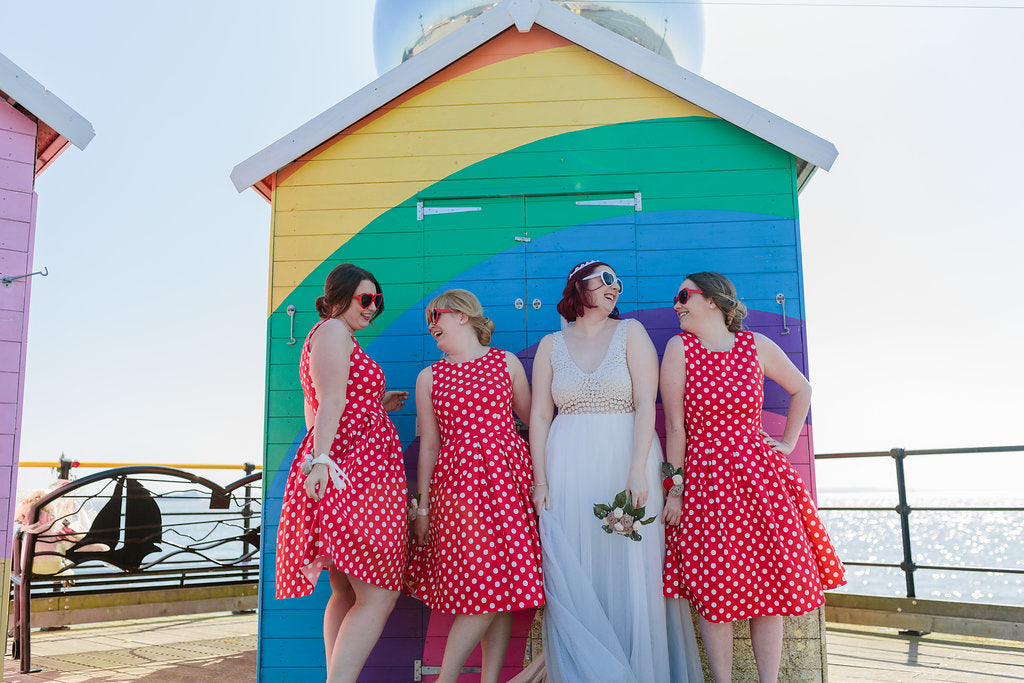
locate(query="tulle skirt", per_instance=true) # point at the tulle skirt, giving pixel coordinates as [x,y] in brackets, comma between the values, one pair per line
[606,618]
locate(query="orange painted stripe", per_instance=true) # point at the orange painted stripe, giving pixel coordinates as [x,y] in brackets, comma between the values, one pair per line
[506,45]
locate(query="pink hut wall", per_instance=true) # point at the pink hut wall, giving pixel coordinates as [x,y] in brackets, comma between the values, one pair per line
[17,236]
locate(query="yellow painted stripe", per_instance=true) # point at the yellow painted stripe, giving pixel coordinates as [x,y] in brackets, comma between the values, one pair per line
[436,133]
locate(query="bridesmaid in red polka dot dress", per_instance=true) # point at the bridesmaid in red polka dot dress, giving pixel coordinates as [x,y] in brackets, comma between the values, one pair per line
[478,549]
[344,506]
[744,537]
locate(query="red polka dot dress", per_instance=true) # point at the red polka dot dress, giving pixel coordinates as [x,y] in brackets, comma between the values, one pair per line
[750,542]
[362,529]
[483,553]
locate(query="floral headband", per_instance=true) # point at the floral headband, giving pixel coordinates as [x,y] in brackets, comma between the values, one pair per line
[581,267]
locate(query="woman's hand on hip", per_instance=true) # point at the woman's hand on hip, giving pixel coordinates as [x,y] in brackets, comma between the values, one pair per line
[636,486]
[783,447]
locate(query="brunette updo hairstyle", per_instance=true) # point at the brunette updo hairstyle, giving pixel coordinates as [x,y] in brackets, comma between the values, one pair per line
[339,288]
[574,296]
[720,289]
[464,301]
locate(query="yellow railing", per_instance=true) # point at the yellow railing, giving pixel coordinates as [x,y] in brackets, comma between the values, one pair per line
[109,465]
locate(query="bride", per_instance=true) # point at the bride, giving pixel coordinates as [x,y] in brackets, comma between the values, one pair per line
[606,618]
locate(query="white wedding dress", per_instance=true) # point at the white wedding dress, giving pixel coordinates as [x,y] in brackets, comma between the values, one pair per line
[606,619]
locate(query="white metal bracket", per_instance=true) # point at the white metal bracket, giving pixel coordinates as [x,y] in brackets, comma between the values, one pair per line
[422,211]
[636,202]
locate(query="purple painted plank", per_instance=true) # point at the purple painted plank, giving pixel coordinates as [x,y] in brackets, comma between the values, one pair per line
[13,261]
[14,121]
[9,386]
[17,146]
[15,205]
[10,356]
[16,175]
[396,651]
[14,233]
[12,323]
[386,674]
[6,452]
[12,299]
[8,416]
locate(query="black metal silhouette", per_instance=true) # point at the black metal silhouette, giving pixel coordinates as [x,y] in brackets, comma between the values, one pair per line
[130,536]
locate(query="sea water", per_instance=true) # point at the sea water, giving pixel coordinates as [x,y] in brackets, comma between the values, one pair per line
[992,539]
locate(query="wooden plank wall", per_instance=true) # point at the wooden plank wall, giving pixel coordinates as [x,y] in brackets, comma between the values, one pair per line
[17,236]
[523,116]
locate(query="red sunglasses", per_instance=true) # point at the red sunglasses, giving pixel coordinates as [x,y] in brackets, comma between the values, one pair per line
[435,314]
[684,295]
[366,299]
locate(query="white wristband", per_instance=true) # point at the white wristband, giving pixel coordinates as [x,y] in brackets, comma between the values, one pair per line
[339,478]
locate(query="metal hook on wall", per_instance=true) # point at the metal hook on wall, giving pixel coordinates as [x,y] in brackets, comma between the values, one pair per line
[291,324]
[8,280]
[780,299]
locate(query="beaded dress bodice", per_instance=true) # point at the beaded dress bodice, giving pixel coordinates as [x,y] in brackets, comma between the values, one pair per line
[608,389]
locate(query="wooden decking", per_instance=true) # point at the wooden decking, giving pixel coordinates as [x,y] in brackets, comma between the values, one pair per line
[223,647]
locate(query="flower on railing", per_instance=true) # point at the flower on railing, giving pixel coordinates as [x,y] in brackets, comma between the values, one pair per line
[621,517]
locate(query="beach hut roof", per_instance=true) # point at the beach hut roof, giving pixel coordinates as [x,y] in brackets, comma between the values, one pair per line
[59,124]
[811,151]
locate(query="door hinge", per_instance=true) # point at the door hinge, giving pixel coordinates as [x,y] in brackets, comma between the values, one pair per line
[422,211]
[636,202]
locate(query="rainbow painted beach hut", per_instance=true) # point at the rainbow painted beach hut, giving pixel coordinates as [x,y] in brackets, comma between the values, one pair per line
[36,126]
[522,143]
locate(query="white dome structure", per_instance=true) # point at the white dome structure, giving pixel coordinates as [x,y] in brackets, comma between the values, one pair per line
[674,30]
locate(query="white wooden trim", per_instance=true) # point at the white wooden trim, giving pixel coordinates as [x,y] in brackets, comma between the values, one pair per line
[585,33]
[44,105]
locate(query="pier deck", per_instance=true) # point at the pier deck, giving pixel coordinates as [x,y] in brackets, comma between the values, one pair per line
[223,647]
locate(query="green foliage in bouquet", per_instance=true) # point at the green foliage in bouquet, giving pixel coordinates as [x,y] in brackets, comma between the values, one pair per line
[621,517]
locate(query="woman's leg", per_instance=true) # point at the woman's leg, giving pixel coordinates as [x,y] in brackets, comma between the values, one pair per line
[466,632]
[766,639]
[342,598]
[360,630]
[717,640]
[494,645]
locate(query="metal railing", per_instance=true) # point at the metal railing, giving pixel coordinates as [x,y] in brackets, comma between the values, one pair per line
[132,529]
[903,509]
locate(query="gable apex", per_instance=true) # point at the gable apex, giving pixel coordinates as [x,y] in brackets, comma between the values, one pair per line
[811,151]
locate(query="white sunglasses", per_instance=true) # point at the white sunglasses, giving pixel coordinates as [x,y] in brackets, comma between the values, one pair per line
[607,278]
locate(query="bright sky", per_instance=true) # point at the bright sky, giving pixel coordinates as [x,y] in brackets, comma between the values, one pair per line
[147,340]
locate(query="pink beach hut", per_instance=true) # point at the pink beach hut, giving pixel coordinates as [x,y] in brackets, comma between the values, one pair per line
[36,126]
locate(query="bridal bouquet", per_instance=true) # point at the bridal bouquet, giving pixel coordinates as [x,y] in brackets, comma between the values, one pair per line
[621,517]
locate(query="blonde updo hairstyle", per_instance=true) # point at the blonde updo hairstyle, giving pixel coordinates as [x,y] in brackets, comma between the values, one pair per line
[464,301]
[720,289]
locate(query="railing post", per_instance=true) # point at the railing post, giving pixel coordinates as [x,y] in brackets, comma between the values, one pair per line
[899,455]
[247,509]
